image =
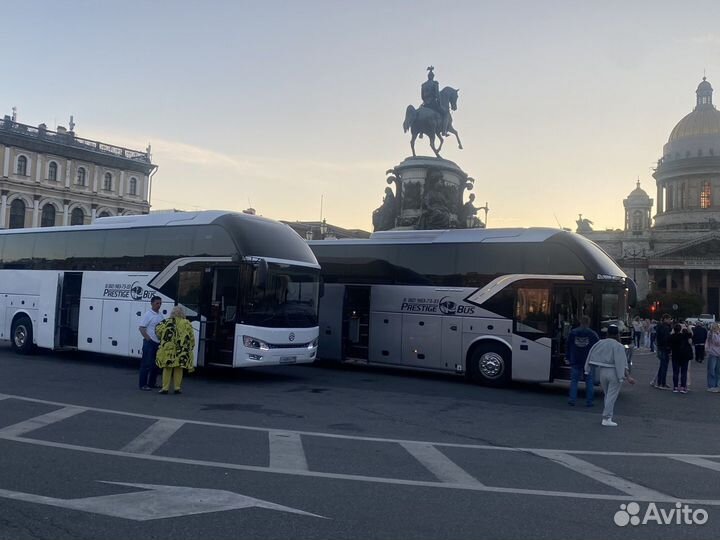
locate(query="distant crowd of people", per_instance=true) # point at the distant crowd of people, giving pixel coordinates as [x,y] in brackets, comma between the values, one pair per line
[678,343]
[675,342]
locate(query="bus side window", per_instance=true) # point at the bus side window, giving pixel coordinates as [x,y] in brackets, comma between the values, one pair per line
[532,311]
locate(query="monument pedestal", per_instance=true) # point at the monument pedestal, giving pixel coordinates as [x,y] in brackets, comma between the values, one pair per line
[429,194]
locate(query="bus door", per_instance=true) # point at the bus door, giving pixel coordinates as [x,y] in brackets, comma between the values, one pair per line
[356,323]
[531,358]
[210,295]
[68,310]
[208,288]
[220,329]
[571,302]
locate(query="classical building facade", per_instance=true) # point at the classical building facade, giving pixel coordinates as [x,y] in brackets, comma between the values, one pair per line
[681,249]
[321,230]
[56,178]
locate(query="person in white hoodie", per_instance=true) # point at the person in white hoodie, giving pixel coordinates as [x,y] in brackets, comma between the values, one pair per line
[607,357]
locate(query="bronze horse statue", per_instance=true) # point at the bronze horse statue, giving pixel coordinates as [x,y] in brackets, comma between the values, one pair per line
[428,121]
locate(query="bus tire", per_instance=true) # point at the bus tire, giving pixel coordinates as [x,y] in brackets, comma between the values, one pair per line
[490,365]
[21,335]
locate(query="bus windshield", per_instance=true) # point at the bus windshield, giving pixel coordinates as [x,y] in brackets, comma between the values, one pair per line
[288,298]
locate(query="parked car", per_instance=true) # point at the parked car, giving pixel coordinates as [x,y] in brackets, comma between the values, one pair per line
[704,318]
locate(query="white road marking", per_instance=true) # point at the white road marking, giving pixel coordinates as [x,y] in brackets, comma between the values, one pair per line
[358,478]
[700,462]
[602,475]
[153,437]
[374,439]
[286,451]
[157,502]
[37,422]
[4,396]
[439,464]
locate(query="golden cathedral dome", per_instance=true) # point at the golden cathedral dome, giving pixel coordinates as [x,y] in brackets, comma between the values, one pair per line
[703,120]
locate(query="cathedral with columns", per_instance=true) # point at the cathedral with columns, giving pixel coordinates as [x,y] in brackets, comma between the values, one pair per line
[678,248]
[51,178]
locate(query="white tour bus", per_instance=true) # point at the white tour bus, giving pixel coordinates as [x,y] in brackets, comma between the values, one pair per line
[494,304]
[250,286]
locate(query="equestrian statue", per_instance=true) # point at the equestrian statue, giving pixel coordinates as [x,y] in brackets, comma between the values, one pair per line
[433,117]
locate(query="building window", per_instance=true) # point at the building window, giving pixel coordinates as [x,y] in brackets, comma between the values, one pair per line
[104,213]
[17,214]
[48,216]
[52,171]
[132,189]
[77,217]
[81,176]
[107,183]
[706,195]
[21,168]
[637,220]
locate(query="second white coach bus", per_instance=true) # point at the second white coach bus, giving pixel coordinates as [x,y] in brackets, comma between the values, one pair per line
[494,304]
[250,286]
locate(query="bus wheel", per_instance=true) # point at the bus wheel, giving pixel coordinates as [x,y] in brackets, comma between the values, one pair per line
[22,336]
[490,365]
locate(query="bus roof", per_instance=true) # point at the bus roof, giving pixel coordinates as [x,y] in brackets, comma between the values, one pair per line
[598,262]
[254,235]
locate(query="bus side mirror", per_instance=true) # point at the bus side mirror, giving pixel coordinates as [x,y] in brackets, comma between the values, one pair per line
[322,287]
[261,273]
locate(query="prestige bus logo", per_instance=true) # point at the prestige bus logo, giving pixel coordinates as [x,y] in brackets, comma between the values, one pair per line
[133,291]
[444,305]
[420,305]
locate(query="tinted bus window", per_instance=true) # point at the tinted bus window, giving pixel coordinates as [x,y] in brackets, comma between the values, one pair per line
[425,264]
[84,249]
[551,258]
[123,247]
[266,239]
[212,241]
[170,241]
[478,264]
[18,250]
[358,263]
[50,250]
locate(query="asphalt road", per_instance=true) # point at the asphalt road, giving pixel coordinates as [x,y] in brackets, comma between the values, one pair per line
[328,452]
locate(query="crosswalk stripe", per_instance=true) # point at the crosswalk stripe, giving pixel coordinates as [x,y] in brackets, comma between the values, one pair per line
[439,464]
[286,451]
[601,475]
[26,426]
[700,462]
[153,437]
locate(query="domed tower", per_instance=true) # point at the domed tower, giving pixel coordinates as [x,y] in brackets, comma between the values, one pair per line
[638,208]
[688,174]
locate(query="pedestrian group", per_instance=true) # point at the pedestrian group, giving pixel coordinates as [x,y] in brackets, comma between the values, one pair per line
[168,345]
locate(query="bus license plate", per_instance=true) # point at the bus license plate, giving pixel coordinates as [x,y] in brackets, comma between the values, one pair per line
[288,359]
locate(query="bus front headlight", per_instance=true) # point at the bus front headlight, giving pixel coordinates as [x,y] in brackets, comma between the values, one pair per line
[254,343]
[314,343]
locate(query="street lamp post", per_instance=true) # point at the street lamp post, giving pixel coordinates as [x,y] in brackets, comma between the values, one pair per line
[634,255]
[323,229]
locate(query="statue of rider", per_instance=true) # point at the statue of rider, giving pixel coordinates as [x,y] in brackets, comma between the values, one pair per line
[430,95]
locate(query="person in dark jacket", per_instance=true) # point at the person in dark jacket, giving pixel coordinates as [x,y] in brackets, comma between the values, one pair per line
[579,342]
[681,349]
[662,342]
[699,333]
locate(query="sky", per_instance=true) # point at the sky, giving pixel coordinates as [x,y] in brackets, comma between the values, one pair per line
[563,105]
